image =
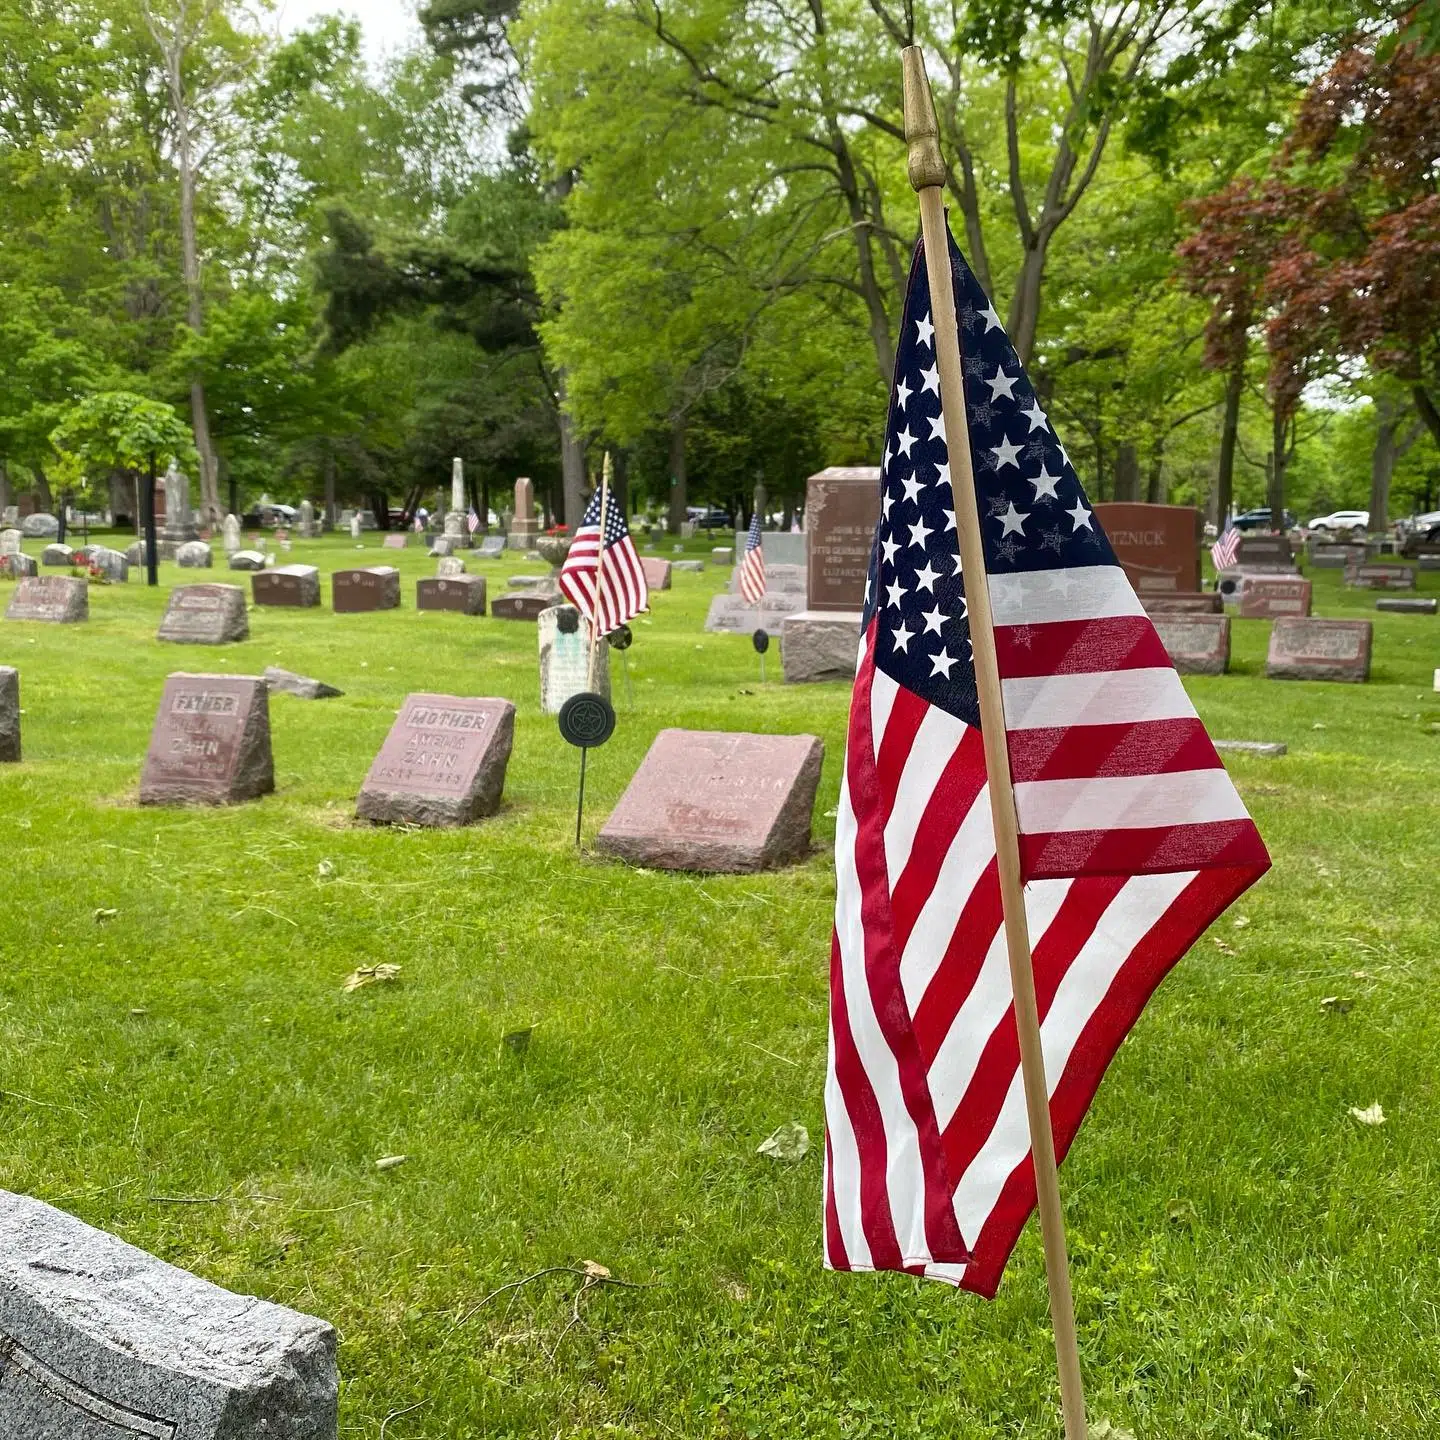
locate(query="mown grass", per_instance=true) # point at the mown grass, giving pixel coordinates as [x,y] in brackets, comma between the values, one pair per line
[1249,1261]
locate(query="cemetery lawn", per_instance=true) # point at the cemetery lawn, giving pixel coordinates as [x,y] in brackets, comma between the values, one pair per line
[180,1065]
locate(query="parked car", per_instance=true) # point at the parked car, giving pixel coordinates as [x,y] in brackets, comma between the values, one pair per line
[268,516]
[1422,535]
[1259,519]
[709,517]
[1355,523]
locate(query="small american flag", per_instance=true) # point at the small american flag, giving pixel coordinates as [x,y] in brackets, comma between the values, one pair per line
[1225,549]
[1132,837]
[472,521]
[623,591]
[752,565]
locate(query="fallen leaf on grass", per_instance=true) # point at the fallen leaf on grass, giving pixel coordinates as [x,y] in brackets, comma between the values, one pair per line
[324,869]
[1180,1212]
[517,1042]
[1337,1004]
[389,1162]
[1108,1430]
[103,914]
[1371,1115]
[594,1270]
[790,1142]
[384,974]
[1222,947]
[1241,921]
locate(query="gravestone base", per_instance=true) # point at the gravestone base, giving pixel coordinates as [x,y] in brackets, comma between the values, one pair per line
[9,714]
[717,802]
[101,1341]
[523,534]
[211,742]
[819,645]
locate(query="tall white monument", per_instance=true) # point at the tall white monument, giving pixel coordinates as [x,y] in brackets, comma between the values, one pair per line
[455,517]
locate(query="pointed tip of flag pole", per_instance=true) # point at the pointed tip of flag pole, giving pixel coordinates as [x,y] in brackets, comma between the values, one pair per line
[922,129]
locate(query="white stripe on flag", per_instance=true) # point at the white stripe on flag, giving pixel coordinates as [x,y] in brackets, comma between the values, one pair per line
[1103,697]
[845,1166]
[1079,592]
[935,742]
[1127,802]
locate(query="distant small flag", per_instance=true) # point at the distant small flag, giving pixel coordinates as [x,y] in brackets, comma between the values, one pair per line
[1226,548]
[623,591]
[472,521]
[752,565]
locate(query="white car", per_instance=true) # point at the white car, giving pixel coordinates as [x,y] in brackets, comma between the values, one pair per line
[1342,522]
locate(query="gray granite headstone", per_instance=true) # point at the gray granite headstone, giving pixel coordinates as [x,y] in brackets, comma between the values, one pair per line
[247,560]
[59,556]
[113,564]
[194,555]
[40,526]
[447,567]
[303,687]
[734,615]
[492,547]
[58,599]
[1196,644]
[9,713]
[779,580]
[782,547]
[691,567]
[18,566]
[1316,649]
[1425,606]
[10,542]
[230,534]
[102,1341]
[819,645]
[205,615]
[443,762]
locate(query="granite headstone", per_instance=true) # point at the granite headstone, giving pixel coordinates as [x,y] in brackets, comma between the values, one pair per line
[1380,577]
[18,566]
[207,614]
[295,587]
[1265,553]
[1314,649]
[734,615]
[464,594]
[657,572]
[195,555]
[1267,597]
[521,605]
[1158,546]
[1196,644]
[9,713]
[56,599]
[211,742]
[303,687]
[842,507]
[374,588]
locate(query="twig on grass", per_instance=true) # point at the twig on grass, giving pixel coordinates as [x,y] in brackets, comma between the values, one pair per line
[186,1199]
[396,1414]
[44,1104]
[770,1053]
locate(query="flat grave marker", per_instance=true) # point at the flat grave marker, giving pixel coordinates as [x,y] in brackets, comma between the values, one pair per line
[294,587]
[395,540]
[734,615]
[442,764]
[101,1341]
[464,594]
[1380,577]
[1199,602]
[211,742]
[842,508]
[53,599]
[1196,644]
[492,547]
[1158,546]
[1268,597]
[717,801]
[1408,606]
[355,592]
[207,614]
[1315,649]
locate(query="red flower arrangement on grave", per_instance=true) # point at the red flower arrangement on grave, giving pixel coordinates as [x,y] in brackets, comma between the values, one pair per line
[558,530]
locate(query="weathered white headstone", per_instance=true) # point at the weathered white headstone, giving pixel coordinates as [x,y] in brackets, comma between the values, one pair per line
[565,658]
[9,542]
[194,555]
[230,533]
[355,527]
[179,525]
[101,1341]
[308,528]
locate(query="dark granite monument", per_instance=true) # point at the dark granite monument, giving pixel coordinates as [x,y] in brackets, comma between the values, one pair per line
[1312,649]
[211,742]
[295,587]
[1265,553]
[464,594]
[443,762]
[54,599]
[521,605]
[1267,597]
[716,801]
[9,714]
[842,508]
[1158,546]
[353,592]
[207,614]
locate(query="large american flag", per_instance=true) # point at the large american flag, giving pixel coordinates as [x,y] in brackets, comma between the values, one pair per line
[1133,838]
[752,565]
[1225,549]
[623,591]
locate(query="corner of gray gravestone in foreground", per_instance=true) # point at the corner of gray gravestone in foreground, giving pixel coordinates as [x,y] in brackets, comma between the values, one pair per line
[102,1341]
[819,645]
[9,714]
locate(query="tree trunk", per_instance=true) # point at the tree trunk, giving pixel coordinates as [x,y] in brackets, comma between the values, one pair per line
[1127,472]
[1025,306]
[1229,434]
[4,484]
[1428,413]
[572,465]
[42,490]
[1382,461]
[620,482]
[1155,482]
[1275,471]
[329,489]
[677,475]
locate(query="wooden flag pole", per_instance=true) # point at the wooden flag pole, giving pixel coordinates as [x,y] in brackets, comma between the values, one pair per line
[599,570]
[927,176]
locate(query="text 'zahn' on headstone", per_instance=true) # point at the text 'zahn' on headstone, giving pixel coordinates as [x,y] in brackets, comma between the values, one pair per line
[211,742]
[717,801]
[443,762]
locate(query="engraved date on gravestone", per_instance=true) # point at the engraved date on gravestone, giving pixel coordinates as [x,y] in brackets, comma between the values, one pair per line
[37,1400]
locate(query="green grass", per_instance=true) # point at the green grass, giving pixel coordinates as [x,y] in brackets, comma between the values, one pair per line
[1248,1260]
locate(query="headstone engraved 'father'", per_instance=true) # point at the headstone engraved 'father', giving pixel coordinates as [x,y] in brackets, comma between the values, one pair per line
[1196,644]
[443,762]
[205,615]
[100,1341]
[1313,649]
[211,742]
[9,714]
[375,588]
[57,599]
[712,801]
[842,506]
[1158,546]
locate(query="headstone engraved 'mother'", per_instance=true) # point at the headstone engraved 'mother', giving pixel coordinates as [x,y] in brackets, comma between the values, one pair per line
[842,506]
[1158,546]
[714,801]
[211,742]
[1196,644]
[355,591]
[443,762]
[205,615]
[1313,649]
[9,714]
[56,599]
[101,1341]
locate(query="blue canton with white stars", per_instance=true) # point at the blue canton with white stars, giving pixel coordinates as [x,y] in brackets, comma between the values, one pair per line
[615,527]
[1034,514]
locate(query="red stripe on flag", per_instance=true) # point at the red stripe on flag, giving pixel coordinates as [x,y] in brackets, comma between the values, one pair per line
[1151,851]
[901,726]
[1079,647]
[1085,752]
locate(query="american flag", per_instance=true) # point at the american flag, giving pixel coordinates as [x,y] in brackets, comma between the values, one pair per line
[472,521]
[1132,841]
[624,593]
[752,565]
[1226,548]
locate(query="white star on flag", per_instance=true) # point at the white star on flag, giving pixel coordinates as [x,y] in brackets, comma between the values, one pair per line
[937,426]
[930,381]
[1081,516]
[1006,453]
[927,578]
[925,332]
[1013,520]
[1045,484]
[1002,384]
[942,663]
[902,638]
[903,393]
[920,532]
[905,440]
[991,319]
[1036,416]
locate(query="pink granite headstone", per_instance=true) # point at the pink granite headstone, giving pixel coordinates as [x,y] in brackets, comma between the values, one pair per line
[211,742]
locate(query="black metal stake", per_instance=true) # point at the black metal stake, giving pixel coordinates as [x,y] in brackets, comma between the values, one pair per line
[580,808]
